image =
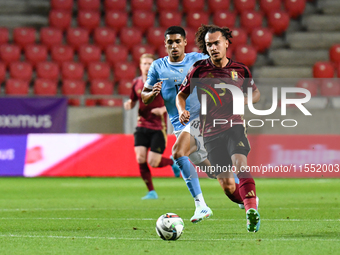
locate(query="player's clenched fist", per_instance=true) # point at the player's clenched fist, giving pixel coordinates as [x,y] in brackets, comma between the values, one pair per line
[157,88]
[184,117]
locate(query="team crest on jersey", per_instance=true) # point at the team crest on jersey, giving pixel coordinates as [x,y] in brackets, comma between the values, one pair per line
[234,75]
[181,70]
[210,75]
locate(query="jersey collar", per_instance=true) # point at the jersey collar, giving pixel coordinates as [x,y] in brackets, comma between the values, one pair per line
[176,63]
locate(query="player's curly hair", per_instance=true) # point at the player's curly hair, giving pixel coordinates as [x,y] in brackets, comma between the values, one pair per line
[204,29]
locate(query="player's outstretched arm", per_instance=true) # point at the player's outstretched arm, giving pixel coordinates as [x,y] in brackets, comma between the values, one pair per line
[128,105]
[148,95]
[256,97]
[184,115]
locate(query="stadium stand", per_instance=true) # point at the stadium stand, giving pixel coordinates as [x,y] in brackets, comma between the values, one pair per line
[45,87]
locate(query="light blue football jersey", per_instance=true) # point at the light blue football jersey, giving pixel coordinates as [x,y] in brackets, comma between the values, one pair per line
[172,74]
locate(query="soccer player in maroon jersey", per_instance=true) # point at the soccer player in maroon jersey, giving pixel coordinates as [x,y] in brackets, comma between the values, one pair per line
[227,145]
[150,130]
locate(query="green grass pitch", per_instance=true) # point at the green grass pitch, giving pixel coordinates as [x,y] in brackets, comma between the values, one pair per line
[107,216]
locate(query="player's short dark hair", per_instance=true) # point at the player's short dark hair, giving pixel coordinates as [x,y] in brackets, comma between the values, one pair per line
[204,29]
[175,30]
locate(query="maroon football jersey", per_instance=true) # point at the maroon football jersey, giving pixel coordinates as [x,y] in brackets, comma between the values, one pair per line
[147,119]
[220,101]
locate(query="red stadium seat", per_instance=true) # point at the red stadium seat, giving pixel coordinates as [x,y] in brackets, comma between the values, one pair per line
[191,48]
[192,5]
[161,52]
[88,53]
[23,36]
[143,5]
[143,19]
[35,53]
[196,18]
[323,70]
[21,70]
[48,70]
[88,5]
[338,70]
[62,53]
[9,53]
[50,36]
[98,70]
[190,35]
[130,36]
[117,5]
[124,70]
[334,53]
[124,87]
[116,19]
[218,5]
[139,50]
[244,5]
[101,87]
[308,84]
[115,54]
[330,87]
[224,18]
[16,87]
[239,37]
[2,72]
[170,18]
[88,19]
[77,36]
[167,5]
[246,54]
[73,87]
[278,21]
[111,102]
[104,36]
[295,7]
[261,39]
[230,53]
[60,19]
[72,71]
[4,35]
[155,36]
[45,87]
[251,20]
[64,5]
[268,6]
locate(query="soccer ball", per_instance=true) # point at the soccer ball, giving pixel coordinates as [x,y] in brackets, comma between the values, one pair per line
[169,226]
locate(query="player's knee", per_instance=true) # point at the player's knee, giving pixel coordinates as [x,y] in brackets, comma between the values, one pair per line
[153,163]
[177,152]
[140,159]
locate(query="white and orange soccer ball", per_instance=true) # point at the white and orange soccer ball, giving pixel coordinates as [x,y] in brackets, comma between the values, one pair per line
[169,226]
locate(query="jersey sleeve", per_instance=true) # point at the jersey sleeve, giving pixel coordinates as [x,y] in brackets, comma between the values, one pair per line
[133,94]
[152,76]
[249,81]
[185,86]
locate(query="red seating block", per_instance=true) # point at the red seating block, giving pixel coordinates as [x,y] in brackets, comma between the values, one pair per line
[116,19]
[295,7]
[268,6]
[334,53]
[47,70]
[62,53]
[190,35]
[77,36]
[104,36]
[118,5]
[21,70]
[130,36]
[72,70]
[139,50]
[124,70]
[4,35]
[323,70]
[170,18]
[330,87]
[65,5]
[23,36]
[101,87]
[2,72]
[218,5]
[50,36]
[193,5]
[244,5]
[35,53]
[278,21]
[155,36]
[143,19]
[88,5]
[73,87]
[89,53]
[239,37]
[144,5]
[60,19]
[191,48]
[111,102]
[88,19]
[161,52]
[98,70]
[124,87]
[45,87]
[224,18]
[246,54]
[116,53]
[261,39]
[9,53]
[196,18]
[16,87]
[167,5]
[310,85]
[251,20]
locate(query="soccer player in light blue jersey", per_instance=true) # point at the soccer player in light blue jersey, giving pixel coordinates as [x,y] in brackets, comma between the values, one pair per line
[165,77]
